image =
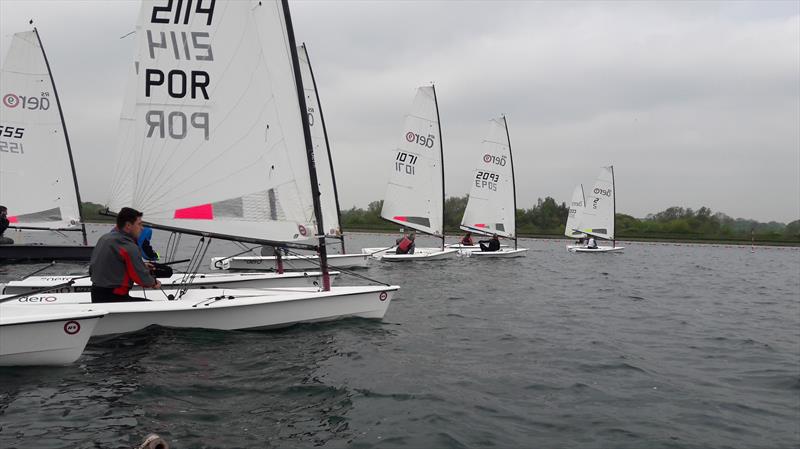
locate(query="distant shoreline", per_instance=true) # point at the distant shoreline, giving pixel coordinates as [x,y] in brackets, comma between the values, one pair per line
[640,239]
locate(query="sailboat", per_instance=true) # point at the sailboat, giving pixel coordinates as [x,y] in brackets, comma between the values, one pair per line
[576,206]
[597,218]
[77,283]
[215,142]
[492,204]
[38,184]
[415,193]
[329,195]
[38,336]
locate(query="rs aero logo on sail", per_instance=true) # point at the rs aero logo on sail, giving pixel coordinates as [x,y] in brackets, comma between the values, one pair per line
[497,160]
[42,102]
[425,141]
[599,191]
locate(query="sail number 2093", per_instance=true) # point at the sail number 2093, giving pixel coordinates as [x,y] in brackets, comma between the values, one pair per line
[487,180]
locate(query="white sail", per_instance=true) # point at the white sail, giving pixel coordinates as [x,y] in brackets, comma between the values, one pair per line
[576,206]
[327,189]
[415,194]
[490,208]
[36,181]
[212,140]
[597,218]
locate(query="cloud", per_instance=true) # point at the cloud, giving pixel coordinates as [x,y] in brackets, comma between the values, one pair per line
[694,103]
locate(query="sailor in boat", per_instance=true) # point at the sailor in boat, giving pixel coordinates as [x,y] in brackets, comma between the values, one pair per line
[592,243]
[467,239]
[492,244]
[405,244]
[150,255]
[4,222]
[117,262]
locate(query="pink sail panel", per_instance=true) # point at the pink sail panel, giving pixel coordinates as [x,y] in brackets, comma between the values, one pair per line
[202,212]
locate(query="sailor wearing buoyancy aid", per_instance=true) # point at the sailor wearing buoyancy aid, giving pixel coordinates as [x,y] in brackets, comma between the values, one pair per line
[493,244]
[148,253]
[116,262]
[405,244]
[4,223]
[592,243]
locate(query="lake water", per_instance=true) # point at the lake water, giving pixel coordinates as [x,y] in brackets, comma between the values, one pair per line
[662,346]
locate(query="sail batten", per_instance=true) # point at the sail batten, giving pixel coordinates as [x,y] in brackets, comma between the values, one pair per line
[211,135]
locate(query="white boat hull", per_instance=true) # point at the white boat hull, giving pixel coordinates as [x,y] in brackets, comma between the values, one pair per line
[464,248]
[231,309]
[46,337]
[507,253]
[599,249]
[310,262]
[202,281]
[419,254]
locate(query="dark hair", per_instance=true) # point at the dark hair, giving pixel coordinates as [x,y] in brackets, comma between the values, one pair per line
[3,209]
[127,215]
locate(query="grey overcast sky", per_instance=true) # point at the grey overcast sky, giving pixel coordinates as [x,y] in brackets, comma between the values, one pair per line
[694,103]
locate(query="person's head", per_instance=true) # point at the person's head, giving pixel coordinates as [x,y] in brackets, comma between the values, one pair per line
[468,234]
[495,237]
[129,221]
[3,211]
[412,236]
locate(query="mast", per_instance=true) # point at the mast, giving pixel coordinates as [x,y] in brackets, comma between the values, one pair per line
[328,146]
[513,181]
[614,217]
[312,168]
[441,156]
[66,137]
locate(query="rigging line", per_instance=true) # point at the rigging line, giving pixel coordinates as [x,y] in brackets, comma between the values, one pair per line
[161,164]
[343,270]
[176,246]
[167,247]
[173,249]
[185,99]
[243,246]
[200,252]
[425,119]
[218,263]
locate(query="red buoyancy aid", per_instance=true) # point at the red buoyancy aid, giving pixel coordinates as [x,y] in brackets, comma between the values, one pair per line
[405,244]
[467,241]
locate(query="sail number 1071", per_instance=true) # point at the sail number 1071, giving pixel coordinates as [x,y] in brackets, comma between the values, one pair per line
[405,162]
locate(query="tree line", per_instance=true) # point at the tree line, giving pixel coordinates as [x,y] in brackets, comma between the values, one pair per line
[548,217]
